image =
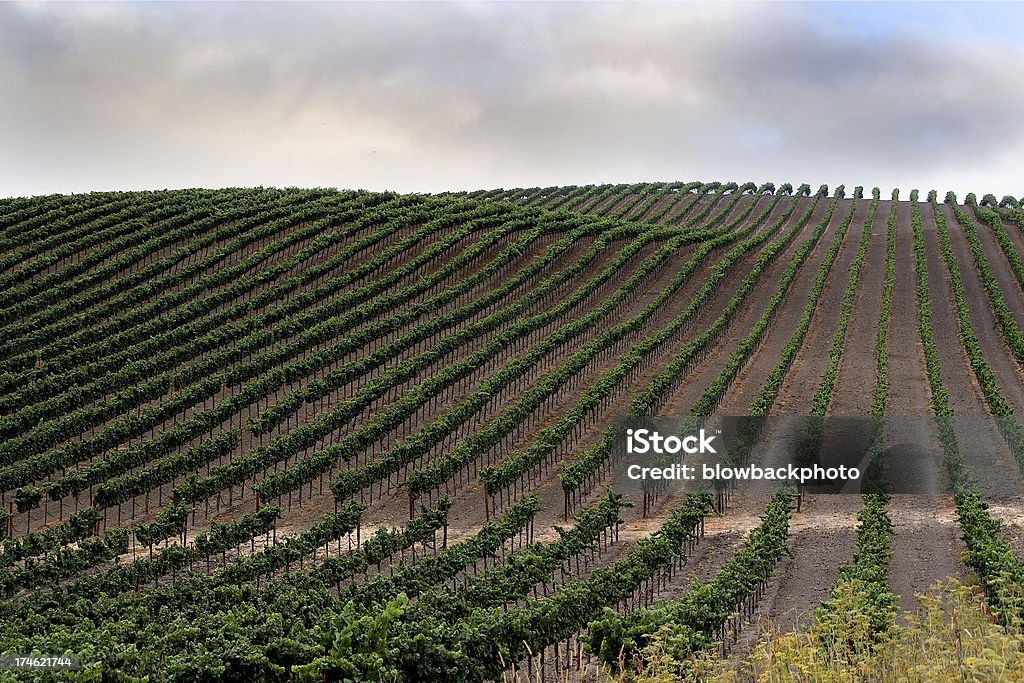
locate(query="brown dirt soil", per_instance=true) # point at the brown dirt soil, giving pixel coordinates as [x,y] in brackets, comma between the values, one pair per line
[687,207]
[926,545]
[691,388]
[822,537]
[965,394]
[920,547]
[983,322]
[670,201]
[760,363]
[852,394]
[804,376]
[1011,513]
[1000,265]
[1015,231]
[645,205]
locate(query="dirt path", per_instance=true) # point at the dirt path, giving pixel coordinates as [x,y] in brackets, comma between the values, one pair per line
[999,264]
[965,395]
[1015,232]
[670,201]
[988,457]
[926,545]
[855,382]
[983,322]
[823,533]
[687,208]
[835,512]
[923,551]
[804,376]
[1011,513]
[822,538]
[759,365]
[693,385]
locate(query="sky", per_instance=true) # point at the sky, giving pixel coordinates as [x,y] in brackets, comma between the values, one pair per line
[439,96]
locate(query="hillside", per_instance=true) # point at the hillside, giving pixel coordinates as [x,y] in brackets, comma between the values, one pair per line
[235,425]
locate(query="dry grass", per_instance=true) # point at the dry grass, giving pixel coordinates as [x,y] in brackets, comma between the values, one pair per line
[951,637]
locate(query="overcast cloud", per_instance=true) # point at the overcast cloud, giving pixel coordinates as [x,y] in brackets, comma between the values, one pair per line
[435,96]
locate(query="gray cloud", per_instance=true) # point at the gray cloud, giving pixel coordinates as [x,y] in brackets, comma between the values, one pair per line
[435,96]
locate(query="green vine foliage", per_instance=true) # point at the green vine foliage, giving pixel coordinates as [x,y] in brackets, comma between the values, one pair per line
[694,622]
